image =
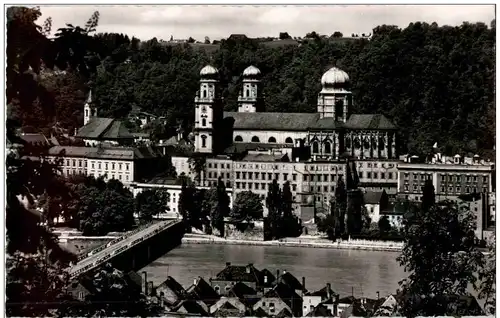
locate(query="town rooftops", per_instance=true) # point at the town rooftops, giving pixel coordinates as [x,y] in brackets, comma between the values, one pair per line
[284,292]
[325,293]
[265,157]
[245,293]
[373,197]
[35,139]
[319,311]
[291,281]
[305,121]
[173,285]
[201,290]
[104,128]
[112,153]
[238,273]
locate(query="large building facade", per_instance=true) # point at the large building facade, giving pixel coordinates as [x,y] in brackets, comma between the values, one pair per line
[250,147]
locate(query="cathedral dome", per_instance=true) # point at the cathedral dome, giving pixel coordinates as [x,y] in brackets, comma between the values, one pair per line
[251,71]
[209,70]
[335,77]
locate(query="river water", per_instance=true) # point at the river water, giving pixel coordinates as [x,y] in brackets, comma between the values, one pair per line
[364,272]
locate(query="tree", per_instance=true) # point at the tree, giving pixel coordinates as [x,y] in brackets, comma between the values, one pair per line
[273,204]
[105,207]
[222,209]
[149,203]
[384,225]
[487,277]
[284,36]
[340,207]
[207,40]
[191,40]
[337,34]
[327,225]
[439,253]
[428,196]
[248,205]
[287,200]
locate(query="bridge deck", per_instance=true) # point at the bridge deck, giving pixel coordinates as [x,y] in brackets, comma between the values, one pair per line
[104,255]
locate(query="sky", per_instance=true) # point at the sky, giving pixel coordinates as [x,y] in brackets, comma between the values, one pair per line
[218,21]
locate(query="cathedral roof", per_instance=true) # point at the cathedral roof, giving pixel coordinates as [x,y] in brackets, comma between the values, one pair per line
[370,122]
[104,128]
[334,76]
[306,121]
[209,70]
[251,71]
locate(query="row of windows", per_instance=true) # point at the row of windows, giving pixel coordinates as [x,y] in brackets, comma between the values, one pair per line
[215,176]
[93,173]
[374,175]
[449,190]
[288,140]
[444,178]
[321,177]
[83,163]
[375,165]
[320,189]
[257,186]
[270,176]
[216,165]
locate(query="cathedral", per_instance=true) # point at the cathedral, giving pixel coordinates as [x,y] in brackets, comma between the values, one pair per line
[328,134]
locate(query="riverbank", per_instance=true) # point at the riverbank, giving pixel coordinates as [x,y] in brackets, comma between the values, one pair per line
[297,242]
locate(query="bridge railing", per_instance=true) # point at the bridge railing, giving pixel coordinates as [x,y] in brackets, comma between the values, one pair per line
[86,254]
[107,256]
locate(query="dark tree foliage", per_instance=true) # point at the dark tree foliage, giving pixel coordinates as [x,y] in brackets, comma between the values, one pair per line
[487,277]
[340,206]
[149,203]
[417,76]
[287,200]
[281,221]
[428,196]
[105,207]
[384,225]
[247,205]
[440,256]
[273,204]
[222,209]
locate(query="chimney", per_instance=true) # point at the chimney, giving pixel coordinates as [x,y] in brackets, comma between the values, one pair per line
[328,294]
[150,289]
[284,271]
[145,283]
[303,283]
[228,264]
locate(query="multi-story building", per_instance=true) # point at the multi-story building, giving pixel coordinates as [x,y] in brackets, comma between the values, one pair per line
[124,164]
[250,148]
[450,177]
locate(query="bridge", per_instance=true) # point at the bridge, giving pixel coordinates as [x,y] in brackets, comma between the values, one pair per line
[134,250]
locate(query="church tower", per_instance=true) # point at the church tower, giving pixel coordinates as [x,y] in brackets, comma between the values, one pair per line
[89,110]
[208,112]
[335,98]
[250,99]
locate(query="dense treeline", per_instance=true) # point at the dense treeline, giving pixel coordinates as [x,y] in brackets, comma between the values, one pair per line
[435,83]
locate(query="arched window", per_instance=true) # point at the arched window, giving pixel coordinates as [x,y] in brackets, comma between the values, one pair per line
[247,93]
[204,93]
[203,121]
[238,138]
[328,147]
[255,139]
[86,113]
[271,139]
[217,289]
[289,140]
[203,141]
[315,147]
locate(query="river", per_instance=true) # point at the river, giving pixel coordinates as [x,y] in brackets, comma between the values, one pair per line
[365,272]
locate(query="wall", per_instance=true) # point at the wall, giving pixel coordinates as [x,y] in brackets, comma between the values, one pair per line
[264,136]
[308,302]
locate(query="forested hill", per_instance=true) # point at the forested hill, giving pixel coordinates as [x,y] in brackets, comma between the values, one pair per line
[435,82]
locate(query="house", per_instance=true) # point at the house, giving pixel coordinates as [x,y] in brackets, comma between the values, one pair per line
[395,213]
[99,130]
[332,305]
[320,311]
[290,280]
[375,201]
[311,300]
[136,114]
[244,293]
[284,313]
[266,280]
[228,307]
[190,307]
[388,307]
[233,274]
[280,297]
[170,292]
[82,288]
[202,291]
[344,303]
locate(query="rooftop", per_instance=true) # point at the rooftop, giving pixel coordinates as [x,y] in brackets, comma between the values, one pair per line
[104,128]
[116,153]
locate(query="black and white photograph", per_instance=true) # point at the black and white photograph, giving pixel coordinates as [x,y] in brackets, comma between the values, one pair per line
[250,160]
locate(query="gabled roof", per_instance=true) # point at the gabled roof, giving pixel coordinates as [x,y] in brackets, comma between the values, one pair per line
[245,293]
[173,285]
[373,197]
[203,291]
[35,139]
[237,273]
[327,123]
[284,313]
[290,280]
[320,311]
[104,128]
[273,121]
[347,300]
[323,293]
[192,307]
[259,312]
[270,278]
[369,122]
[284,292]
